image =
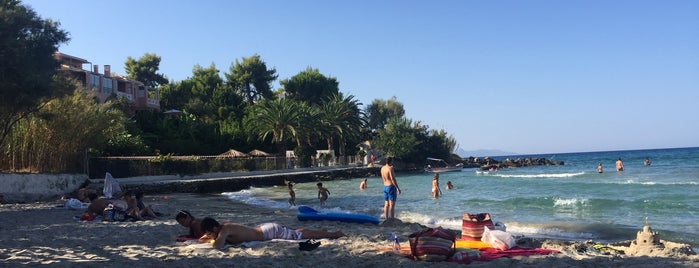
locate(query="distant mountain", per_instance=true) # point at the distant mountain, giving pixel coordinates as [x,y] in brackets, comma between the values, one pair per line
[482,153]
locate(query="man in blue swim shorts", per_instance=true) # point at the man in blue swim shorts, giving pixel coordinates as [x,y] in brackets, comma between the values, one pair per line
[390,189]
[233,233]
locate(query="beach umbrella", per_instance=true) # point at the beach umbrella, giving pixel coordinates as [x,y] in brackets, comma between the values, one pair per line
[257,152]
[233,153]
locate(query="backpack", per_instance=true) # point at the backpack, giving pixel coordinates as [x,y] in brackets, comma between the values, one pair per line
[112,213]
[432,244]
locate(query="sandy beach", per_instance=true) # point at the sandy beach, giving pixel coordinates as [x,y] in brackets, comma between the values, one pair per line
[39,234]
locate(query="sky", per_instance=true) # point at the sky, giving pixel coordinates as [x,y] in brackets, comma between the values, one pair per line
[527,77]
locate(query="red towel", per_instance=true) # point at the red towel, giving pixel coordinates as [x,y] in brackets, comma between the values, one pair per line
[489,254]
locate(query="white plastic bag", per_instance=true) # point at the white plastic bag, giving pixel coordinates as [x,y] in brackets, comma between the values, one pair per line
[74,204]
[498,239]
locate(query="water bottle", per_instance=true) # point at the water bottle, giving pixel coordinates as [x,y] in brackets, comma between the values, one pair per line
[396,244]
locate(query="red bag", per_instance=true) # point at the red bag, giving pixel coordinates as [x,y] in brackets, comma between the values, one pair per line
[432,244]
[473,224]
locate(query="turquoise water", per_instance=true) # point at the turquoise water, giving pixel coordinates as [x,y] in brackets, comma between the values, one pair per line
[572,201]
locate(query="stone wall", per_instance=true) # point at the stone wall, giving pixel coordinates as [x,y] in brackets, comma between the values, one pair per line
[37,187]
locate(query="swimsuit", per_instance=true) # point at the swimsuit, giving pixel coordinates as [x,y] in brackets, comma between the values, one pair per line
[390,193]
[277,231]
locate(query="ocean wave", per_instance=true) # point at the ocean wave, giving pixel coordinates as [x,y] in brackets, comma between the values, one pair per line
[569,201]
[548,231]
[429,220]
[636,181]
[544,175]
[249,197]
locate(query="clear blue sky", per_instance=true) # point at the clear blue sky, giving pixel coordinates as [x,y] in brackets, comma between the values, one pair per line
[519,76]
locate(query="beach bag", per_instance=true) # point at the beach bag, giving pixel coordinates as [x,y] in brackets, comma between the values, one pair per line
[498,239]
[473,225]
[113,214]
[432,244]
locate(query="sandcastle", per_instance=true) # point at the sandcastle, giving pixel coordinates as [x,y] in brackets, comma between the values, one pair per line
[646,241]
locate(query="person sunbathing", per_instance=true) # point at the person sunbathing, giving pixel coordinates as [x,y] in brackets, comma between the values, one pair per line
[186,219]
[144,210]
[132,206]
[97,205]
[233,233]
[84,191]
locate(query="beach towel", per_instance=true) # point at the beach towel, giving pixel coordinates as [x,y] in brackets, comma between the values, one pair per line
[250,244]
[465,256]
[111,186]
[184,238]
[404,250]
[84,218]
[489,254]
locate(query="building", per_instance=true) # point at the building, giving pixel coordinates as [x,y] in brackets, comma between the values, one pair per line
[106,85]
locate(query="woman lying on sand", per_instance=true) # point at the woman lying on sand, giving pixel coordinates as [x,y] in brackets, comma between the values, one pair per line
[186,219]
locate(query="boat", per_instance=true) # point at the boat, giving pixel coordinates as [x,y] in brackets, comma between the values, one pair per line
[436,165]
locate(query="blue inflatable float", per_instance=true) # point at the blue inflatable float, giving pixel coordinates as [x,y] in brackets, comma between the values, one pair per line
[309,214]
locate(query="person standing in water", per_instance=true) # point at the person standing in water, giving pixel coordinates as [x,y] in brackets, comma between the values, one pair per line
[646,162]
[436,191]
[599,168]
[322,193]
[292,194]
[619,165]
[362,185]
[391,190]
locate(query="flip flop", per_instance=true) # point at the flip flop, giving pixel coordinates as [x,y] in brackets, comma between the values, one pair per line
[309,245]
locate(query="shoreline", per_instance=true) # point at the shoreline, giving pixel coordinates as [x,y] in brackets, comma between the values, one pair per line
[36,234]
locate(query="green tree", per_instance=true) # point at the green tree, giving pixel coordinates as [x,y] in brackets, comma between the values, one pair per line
[342,119]
[145,70]
[379,111]
[210,119]
[46,141]
[399,137]
[278,120]
[310,129]
[251,79]
[27,45]
[310,86]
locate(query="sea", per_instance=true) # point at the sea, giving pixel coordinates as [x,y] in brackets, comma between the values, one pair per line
[571,201]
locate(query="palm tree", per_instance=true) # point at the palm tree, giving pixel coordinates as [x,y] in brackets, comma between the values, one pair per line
[342,119]
[276,118]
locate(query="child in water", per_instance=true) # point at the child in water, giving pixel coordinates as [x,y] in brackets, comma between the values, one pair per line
[322,193]
[292,194]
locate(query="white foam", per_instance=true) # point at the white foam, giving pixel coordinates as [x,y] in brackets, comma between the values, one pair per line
[554,175]
[569,201]
[547,232]
[431,221]
[248,197]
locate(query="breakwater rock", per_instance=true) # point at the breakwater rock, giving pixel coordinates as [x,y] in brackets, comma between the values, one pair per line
[519,162]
